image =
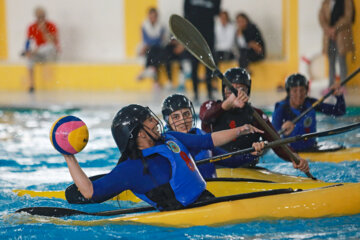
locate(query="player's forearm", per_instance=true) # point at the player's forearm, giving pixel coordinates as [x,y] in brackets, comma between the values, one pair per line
[80,179]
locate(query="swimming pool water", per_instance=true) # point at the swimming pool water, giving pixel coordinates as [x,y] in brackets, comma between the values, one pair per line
[28,161]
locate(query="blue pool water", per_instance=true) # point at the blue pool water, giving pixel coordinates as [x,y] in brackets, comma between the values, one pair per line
[28,161]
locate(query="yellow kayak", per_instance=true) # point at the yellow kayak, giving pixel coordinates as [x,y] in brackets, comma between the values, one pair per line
[312,203]
[250,178]
[218,188]
[259,174]
[346,154]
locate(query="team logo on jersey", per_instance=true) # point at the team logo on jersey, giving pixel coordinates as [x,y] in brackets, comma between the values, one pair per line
[308,122]
[173,146]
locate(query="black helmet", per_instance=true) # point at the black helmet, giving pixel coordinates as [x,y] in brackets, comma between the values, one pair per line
[127,122]
[176,102]
[238,75]
[295,80]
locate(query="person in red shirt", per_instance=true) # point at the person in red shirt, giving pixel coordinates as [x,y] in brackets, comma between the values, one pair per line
[233,111]
[42,44]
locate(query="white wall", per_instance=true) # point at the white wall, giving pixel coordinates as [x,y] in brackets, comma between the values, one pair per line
[310,32]
[169,7]
[89,30]
[92,30]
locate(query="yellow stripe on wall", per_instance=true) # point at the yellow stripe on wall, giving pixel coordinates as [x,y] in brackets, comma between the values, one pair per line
[135,12]
[293,30]
[78,77]
[284,27]
[3,35]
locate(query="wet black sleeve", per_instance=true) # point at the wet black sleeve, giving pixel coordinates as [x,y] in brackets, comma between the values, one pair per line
[74,196]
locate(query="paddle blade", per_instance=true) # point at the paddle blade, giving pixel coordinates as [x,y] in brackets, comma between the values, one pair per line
[51,211]
[192,40]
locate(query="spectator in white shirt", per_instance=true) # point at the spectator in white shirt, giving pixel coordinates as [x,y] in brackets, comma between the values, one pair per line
[224,38]
[153,41]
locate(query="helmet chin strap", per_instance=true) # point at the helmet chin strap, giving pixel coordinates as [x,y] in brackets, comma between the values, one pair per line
[143,160]
[150,136]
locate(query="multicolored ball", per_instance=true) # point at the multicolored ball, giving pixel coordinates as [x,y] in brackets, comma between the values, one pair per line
[69,135]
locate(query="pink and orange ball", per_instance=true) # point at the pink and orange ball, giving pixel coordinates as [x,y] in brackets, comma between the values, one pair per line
[69,135]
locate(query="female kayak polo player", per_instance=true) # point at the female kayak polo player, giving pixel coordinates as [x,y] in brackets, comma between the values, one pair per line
[297,101]
[233,111]
[158,168]
[178,113]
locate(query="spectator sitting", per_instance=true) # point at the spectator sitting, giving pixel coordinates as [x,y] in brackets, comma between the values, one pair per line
[224,38]
[42,44]
[175,52]
[249,41]
[153,36]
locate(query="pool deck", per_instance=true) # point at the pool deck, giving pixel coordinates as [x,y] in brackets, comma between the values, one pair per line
[116,99]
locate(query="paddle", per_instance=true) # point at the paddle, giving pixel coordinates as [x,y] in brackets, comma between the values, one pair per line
[195,43]
[64,212]
[295,120]
[282,141]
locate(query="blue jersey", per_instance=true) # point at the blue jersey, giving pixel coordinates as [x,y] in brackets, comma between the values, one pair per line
[207,170]
[128,175]
[307,124]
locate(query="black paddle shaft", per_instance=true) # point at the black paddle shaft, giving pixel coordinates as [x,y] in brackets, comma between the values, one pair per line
[283,141]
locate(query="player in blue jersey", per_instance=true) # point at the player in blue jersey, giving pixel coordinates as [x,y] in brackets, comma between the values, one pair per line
[156,167]
[179,114]
[295,103]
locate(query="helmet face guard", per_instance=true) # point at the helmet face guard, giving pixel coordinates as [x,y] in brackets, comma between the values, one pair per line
[240,76]
[127,123]
[295,80]
[174,103]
